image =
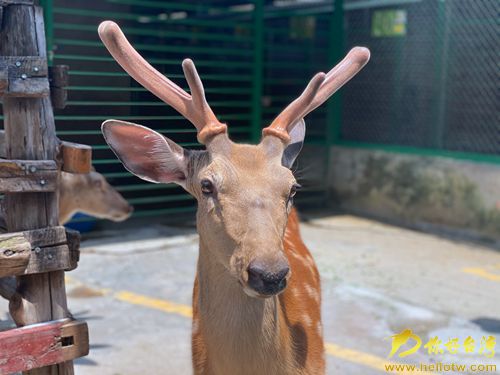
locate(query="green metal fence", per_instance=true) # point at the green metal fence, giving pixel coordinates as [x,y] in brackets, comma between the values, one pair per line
[418,93]
[432,84]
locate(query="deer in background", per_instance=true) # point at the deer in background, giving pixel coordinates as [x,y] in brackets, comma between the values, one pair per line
[257,297]
[91,194]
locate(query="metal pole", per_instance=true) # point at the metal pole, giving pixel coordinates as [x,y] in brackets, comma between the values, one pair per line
[335,54]
[258,33]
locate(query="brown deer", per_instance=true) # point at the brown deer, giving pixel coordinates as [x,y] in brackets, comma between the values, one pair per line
[91,194]
[256,298]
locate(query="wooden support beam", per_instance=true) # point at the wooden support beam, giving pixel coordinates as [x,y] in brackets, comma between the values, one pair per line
[7,287]
[24,76]
[37,251]
[76,158]
[59,81]
[25,176]
[23,349]
[30,134]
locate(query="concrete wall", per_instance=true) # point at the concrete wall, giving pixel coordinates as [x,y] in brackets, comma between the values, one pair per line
[421,191]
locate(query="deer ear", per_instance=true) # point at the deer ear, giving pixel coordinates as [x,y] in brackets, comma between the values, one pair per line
[146,153]
[297,135]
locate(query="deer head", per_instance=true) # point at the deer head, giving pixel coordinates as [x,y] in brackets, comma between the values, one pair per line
[90,193]
[244,192]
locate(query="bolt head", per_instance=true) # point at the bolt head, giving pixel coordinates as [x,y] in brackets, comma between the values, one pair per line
[36,69]
[18,63]
[49,256]
[32,169]
[43,182]
[37,249]
[24,76]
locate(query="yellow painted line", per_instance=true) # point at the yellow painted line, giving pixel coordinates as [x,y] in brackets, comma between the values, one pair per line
[350,355]
[365,359]
[481,272]
[153,303]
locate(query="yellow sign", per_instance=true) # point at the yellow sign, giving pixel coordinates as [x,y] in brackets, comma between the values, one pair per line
[436,346]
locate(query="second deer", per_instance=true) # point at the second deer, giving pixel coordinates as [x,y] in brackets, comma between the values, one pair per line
[257,297]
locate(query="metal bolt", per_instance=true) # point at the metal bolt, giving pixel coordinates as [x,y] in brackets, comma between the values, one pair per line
[24,76]
[36,69]
[49,256]
[37,249]
[32,169]
[18,63]
[43,182]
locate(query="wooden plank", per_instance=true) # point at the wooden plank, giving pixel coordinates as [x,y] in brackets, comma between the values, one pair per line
[4,74]
[15,251]
[58,96]
[28,176]
[20,66]
[27,88]
[37,251]
[30,134]
[77,158]
[26,76]
[43,344]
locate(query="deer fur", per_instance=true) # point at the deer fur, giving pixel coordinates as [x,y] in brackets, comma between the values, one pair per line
[256,297]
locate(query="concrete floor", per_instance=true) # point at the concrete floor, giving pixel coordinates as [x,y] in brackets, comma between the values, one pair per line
[133,287]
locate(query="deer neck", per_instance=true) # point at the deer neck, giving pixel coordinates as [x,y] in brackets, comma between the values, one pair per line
[238,328]
[68,197]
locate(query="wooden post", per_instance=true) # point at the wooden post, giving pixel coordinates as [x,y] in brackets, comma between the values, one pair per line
[30,134]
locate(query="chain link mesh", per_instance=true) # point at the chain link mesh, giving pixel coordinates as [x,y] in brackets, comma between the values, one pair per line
[433,78]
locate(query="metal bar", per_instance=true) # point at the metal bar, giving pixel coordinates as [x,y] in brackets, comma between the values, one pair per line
[228,23]
[441,74]
[211,63]
[132,104]
[156,32]
[258,49]
[220,90]
[471,156]
[336,51]
[169,198]
[205,77]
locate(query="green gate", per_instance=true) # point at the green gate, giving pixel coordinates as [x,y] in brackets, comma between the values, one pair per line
[254,58]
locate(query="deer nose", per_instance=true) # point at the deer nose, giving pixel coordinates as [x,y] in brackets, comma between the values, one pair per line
[267,280]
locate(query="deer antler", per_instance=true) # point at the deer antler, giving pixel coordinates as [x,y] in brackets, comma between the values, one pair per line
[194,107]
[319,89]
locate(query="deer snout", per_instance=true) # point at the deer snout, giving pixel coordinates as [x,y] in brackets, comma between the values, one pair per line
[268,279]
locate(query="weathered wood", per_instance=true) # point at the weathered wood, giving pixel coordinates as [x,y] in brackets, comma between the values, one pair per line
[59,80]
[28,176]
[27,76]
[59,97]
[15,251]
[59,76]
[2,144]
[36,251]
[30,134]
[73,237]
[7,287]
[28,88]
[44,344]
[12,2]
[76,158]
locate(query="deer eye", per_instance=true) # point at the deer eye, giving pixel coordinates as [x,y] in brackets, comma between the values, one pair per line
[293,191]
[207,188]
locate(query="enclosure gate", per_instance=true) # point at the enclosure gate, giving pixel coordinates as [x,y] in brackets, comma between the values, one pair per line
[37,251]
